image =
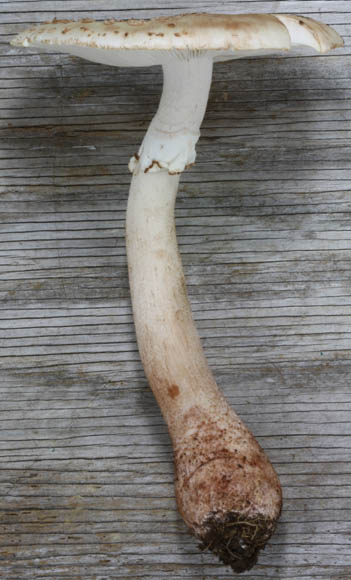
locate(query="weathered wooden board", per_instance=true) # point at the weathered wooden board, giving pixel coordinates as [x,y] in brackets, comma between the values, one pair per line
[264,225]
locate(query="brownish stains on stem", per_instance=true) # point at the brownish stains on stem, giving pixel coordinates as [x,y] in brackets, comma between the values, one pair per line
[154,162]
[173,391]
[223,475]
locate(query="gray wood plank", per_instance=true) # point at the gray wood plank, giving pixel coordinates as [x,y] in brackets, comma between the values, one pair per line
[263,220]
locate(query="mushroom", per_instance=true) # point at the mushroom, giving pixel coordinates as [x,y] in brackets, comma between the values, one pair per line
[227,490]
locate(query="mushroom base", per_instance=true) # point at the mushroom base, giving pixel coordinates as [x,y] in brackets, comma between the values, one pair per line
[237,539]
[227,490]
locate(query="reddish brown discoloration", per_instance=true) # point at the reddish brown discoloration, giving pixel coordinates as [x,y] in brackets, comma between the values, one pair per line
[227,491]
[220,468]
[154,162]
[173,391]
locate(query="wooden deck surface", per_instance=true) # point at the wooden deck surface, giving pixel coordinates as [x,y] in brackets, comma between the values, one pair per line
[264,225]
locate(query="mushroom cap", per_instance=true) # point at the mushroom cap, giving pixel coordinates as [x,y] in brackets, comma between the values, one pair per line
[144,42]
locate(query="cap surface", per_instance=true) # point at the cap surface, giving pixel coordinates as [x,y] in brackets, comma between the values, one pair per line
[182,32]
[230,36]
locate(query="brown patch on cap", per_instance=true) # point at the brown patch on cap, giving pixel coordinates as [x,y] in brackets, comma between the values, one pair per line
[135,22]
[61,21]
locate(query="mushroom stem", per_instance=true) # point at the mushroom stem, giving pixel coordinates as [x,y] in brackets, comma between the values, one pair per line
[227,491]
[169,344]
[175,129]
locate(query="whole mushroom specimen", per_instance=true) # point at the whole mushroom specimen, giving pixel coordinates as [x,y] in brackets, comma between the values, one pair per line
[227,490]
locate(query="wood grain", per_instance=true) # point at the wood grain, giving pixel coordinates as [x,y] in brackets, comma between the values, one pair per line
[264,228]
